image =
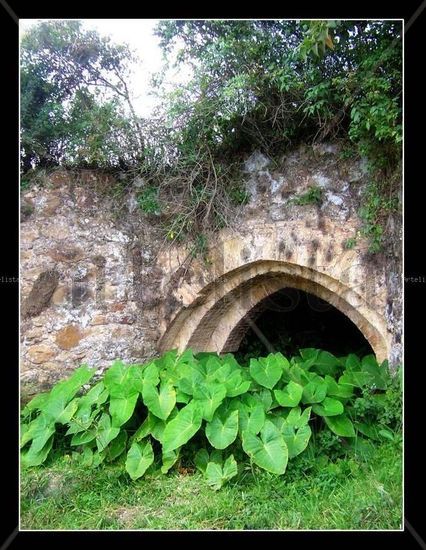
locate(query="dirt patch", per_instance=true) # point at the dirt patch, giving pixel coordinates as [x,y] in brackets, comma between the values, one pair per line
[41,293]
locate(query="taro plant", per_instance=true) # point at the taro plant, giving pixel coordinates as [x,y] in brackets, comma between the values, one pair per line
[208,408]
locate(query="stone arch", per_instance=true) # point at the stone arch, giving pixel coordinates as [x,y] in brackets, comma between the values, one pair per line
[218,318]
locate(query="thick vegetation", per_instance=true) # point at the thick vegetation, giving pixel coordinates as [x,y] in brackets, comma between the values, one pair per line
[266,85]
[208,411]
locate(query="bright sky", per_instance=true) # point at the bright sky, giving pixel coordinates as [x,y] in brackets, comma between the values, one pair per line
[139,35]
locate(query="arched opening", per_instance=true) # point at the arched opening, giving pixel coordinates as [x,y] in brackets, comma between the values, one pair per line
[291,319]
[221,313]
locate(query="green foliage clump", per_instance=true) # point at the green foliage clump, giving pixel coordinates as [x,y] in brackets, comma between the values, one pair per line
[350,243]
[148,200]
[209,410]
[312,196]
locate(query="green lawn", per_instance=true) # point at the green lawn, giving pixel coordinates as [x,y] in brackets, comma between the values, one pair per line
[349,493]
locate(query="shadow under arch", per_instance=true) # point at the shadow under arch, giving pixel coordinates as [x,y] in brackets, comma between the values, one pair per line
[209,322]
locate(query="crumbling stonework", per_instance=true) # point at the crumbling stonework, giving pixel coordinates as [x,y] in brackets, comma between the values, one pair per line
[122,293]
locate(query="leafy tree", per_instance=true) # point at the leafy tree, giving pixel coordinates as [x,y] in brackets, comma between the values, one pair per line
[255,85]
[75,101]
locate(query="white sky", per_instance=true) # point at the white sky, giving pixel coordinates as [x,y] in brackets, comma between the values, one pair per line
[139,35]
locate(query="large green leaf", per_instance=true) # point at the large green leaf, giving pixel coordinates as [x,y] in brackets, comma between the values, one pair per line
[252,419]
[297,439]
[122,380]
[269,451]
[168,460]
[297,374]
[209,397]
[201,460]
[356,379]
[266,371]
[139,459]
[35,458]
[84,437]
[326,363]
[314,391]
[190,378]
[309,356]
[223,429]
[37,429]
[67,389]
[368,429]
[340,425]
[105,433]
[338,390]
[264,397]
[82,420]
[153,426]
[235,385]
[117,446]
[55,406]
[290,396]
[160,403]
[328,407]
[352,363]
[121,409]
[68,412]
[150,374]
[379,375]
[184,426]
[97,395]
[216,475]
[296,418]
[144,429]
[35,404]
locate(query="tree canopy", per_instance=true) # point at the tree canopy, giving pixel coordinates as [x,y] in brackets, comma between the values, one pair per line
[75,104]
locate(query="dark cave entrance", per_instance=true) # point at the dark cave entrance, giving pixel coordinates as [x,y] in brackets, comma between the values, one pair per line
[292,319]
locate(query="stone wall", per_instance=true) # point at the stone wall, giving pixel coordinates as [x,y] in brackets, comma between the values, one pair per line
[99,283]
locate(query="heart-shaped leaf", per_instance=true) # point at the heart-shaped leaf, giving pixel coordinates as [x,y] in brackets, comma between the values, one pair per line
[139,459]
[296,439]
[266,371]
[160,403]
[328,407]
[122,380]
[314,391]
[252,419]
[340,425]
[223,429]
[216,475]
[201,460]
[326,363]
[35,458]
[210,397]
[105,433]
[290,396]
[117,446]
[296,418]
[269,451]
[121,409]
[168,460]
[357,379]
[338,390]
[185,425]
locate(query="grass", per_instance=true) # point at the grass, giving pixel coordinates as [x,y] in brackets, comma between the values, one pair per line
[348,493]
